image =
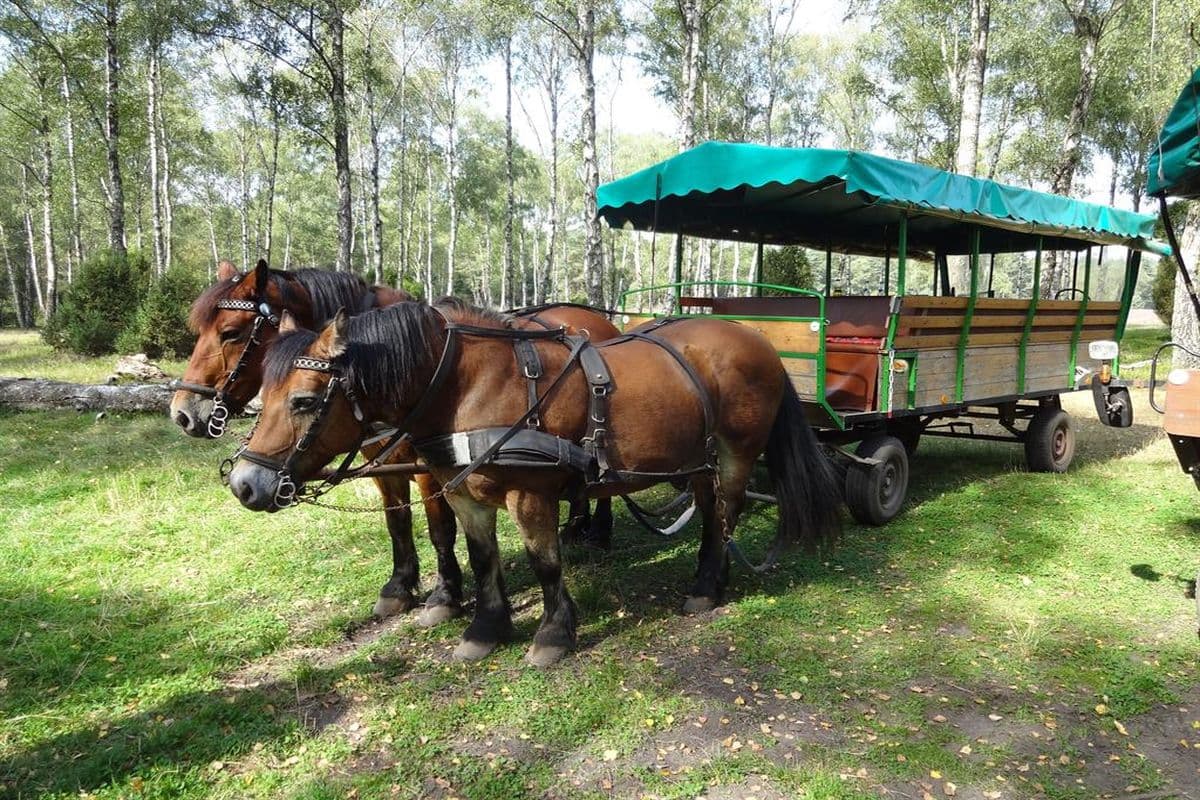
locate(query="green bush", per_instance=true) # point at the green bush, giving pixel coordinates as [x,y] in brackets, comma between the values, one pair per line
[1162,290]
[160,325]
[787,266]
[99,305]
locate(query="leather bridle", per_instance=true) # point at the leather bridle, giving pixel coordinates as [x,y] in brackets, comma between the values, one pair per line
[286,491]
[218,419]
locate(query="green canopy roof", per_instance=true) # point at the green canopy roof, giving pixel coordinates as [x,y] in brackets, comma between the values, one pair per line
[1174,166]
[853,202]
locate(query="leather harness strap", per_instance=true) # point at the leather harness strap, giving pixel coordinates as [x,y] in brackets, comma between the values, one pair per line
[530,365]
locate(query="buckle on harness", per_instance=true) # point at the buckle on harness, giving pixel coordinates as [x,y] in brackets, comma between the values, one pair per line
[531,373]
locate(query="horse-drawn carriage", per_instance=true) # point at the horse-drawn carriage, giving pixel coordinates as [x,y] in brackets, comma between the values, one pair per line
[924,356]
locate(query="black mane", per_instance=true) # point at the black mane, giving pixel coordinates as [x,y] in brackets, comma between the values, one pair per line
[390,356]
[487,317]
[332,290]
[328,291]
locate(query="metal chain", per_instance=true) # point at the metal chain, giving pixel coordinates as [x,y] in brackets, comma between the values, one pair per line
[313,501]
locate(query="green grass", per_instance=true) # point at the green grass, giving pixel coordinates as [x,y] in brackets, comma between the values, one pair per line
[1139,344]
[23,354]
[156,640]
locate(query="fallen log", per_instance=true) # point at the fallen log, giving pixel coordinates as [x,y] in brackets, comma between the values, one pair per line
[39,394]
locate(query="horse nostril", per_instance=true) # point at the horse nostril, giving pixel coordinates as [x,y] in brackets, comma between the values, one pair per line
[183,420]
[245,492]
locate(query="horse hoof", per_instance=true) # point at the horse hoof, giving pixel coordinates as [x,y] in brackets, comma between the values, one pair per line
[391,606]
[436,615]
[471,650]
[543,655]
[698,605]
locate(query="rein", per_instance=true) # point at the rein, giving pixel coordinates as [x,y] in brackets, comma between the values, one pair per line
[287,493]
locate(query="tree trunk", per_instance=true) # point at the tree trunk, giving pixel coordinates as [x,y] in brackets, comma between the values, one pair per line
[452,169]
[553,87]
[341,137]
[152,128]
[966,159]
[42,395]
[244,210]
[690,13]
[69,124]
[168,208]
[376,214]
[20,304]
[1089,27]
[593,255]
[429,229]
[112,126]
[51,263]
[508,285]
[272,166]
[212,240]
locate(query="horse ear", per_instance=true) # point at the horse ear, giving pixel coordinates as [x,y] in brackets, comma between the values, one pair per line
[226,270]
[334,337]
[287,323]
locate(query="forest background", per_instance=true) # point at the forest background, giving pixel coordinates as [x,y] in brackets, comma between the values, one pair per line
[455,147]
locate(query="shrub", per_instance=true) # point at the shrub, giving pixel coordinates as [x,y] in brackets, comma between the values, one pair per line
[160,325]
[1162,290]
[787,266]
[99,305]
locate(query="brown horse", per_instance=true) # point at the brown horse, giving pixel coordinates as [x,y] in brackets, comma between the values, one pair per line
[697,397]
[234,328]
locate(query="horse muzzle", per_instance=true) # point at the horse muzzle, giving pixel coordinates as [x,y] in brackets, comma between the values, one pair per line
[259,488]
[192,413]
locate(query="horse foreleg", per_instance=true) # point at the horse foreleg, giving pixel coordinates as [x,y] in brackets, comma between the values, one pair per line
[399,594]
[492,623]
[445,601]
[537,519]
[712,572]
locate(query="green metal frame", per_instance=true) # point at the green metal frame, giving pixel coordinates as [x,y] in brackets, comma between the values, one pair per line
[965,335]
[1083,307]
[888,357]
[1029,315]
[1133,263]
[818,357]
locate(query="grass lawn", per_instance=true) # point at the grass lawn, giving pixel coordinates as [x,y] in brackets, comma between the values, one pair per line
[23,354]
[1009,636]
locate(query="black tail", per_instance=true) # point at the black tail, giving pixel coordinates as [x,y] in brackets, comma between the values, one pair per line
[806,486]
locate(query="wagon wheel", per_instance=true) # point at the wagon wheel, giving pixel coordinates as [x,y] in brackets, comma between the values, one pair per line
[666,520]
[876,492]
[1049,441]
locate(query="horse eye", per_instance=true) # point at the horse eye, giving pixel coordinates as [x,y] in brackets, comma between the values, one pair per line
[231,334]
[303,403]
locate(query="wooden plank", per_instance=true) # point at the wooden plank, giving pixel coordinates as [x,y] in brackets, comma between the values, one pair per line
[923,322]
[1057,320]
[787,336]
[803,374]
[924,301]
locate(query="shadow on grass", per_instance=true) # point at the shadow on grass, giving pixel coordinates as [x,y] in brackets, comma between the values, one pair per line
[82,655]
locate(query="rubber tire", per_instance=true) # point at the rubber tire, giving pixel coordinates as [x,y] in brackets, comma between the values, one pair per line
[875,494]
[1049,441]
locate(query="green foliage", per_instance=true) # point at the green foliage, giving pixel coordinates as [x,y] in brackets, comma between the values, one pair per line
[1162,290]
[787,266]
[160,325]
[99,305]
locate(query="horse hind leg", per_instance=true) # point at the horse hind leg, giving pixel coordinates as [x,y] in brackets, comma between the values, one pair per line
[399,594]
[712,571]
[445,601]
[537,519]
